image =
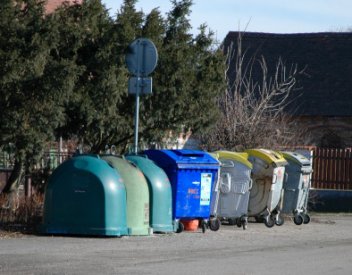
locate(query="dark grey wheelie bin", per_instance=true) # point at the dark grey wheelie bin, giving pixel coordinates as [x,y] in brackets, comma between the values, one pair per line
[296,187]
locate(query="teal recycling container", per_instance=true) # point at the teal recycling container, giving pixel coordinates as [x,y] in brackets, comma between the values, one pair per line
[160,193]
[137,204]
[85,196]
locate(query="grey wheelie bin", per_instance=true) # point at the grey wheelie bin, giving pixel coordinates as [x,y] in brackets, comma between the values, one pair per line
[268,176]
[192,174]
[233,190]
[296,187]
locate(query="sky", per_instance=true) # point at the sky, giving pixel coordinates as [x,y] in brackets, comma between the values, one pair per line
[273,16]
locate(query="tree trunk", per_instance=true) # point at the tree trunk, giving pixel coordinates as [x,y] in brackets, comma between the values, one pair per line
[11,184]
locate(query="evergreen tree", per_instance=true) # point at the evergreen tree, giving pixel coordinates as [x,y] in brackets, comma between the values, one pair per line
[185,83]
[33,85]
[66,72]
[187,80]
[154,28]
[92,113]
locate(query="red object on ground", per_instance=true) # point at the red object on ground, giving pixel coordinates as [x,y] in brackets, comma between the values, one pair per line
[190,225]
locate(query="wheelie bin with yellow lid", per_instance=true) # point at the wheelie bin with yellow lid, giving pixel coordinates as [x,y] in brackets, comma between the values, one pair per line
[268,176]
[233,189]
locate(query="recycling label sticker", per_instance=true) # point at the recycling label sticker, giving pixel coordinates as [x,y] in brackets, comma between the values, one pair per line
[205,188]
[306,181]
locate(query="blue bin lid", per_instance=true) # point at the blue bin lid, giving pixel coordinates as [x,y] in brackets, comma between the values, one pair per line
[181,157]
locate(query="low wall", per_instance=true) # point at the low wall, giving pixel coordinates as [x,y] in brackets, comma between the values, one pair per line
[325,200]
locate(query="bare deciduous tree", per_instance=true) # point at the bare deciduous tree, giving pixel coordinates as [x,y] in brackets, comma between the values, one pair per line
[253,105]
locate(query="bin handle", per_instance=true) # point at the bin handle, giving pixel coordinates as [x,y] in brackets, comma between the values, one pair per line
[225,184]
[139,155]
[250,184]
[274,179]
[111,155]
[132,163]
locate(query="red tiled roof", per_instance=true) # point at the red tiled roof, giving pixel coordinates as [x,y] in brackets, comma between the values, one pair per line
[52,5]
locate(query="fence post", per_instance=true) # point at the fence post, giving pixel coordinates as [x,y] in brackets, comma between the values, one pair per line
[28,186]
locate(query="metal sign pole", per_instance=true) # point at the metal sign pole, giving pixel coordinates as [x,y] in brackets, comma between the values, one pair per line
[136,113]
[136,121]
[141,60]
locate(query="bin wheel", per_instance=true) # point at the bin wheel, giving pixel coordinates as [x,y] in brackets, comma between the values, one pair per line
[244,224]
[214,224]
[231,221]
[298,219]
[204,226]
[306,218]
[279,220]
[180,227]
[238,222]
[269,221]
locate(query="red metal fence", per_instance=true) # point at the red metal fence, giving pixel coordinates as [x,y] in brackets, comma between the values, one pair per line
[332,168]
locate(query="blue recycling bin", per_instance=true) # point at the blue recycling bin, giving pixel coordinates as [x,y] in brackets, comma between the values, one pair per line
[192,175]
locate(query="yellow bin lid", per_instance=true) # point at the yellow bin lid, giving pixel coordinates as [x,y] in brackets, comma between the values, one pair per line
[239,157]
[214,155]
[268,156]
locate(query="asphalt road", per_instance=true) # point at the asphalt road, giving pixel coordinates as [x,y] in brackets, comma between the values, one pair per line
[322,247]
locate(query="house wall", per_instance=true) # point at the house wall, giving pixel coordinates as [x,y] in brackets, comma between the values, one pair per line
[329,132]
[318,131]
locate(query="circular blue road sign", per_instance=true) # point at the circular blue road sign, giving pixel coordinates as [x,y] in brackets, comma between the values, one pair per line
[141,57]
